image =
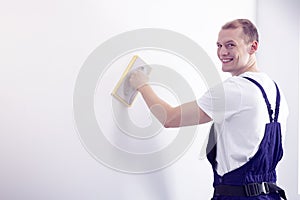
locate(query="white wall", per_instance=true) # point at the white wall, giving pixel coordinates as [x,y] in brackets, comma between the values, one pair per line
[43,46]
[278,55]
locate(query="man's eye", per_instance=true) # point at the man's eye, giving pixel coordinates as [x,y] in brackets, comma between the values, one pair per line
[230,45]
[219,46]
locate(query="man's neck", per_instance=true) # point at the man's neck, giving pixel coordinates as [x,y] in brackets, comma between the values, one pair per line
[251,67]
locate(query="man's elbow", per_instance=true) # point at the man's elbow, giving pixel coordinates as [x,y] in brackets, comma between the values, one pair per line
[167,125]
[168,118]
[171,123]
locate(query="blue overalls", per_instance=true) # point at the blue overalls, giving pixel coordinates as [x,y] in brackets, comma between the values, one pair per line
[255,179]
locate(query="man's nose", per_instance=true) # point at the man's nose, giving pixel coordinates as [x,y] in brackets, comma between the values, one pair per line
[223,51]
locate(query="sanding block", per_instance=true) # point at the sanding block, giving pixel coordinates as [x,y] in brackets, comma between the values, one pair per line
[123,91]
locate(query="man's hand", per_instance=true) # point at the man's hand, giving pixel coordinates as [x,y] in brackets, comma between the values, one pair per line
[138,79]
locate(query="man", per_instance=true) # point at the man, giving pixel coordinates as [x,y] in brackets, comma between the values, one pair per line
[249,144]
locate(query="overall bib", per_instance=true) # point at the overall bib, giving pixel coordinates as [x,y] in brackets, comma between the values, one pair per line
[256,179]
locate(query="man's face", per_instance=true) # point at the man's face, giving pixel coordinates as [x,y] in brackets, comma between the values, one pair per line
[233,51]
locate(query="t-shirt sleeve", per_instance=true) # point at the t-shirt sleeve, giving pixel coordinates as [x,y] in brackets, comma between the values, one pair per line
[221,101]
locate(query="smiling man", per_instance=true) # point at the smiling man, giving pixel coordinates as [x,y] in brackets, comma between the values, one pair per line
[253,124]
[236,50]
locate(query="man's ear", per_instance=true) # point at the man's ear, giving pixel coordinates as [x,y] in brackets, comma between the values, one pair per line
[253,47]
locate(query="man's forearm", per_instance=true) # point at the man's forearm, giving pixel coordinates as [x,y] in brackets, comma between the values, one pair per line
[159,108]
[183,115]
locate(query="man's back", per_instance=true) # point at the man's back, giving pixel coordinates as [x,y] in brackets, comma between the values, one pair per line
[245,116]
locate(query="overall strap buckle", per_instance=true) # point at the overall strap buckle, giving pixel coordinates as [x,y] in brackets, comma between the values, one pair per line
[255,189]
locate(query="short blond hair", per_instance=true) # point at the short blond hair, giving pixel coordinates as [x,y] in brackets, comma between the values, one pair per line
[249,29]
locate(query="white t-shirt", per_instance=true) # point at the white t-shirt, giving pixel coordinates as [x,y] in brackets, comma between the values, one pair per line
[240,114]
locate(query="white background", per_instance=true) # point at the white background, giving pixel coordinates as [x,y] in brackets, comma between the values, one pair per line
[43,45]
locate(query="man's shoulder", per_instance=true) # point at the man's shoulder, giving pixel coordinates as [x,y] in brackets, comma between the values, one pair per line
[240,81]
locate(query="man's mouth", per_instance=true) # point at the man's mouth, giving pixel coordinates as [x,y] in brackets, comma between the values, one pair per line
[226,60]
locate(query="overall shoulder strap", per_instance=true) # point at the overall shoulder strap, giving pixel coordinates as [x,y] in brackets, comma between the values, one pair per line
[270,111]
[277,103]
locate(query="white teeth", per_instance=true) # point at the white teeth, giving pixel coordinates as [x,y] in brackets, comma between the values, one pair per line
[226,60]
